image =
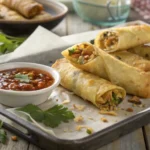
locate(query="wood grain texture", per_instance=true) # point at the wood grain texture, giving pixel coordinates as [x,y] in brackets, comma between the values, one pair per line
[147,135]
[132,141]
[61,29]
[12,145]
[76,24]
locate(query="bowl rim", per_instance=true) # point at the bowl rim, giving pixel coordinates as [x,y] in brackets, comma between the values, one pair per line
[49,69]
[98,5]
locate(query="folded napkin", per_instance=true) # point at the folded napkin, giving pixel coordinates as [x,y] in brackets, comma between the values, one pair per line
[39,43]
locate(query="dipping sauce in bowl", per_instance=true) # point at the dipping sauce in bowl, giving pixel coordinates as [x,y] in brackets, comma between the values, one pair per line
[25,79]
[23,83]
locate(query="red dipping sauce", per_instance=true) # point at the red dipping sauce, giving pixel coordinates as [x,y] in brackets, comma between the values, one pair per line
[25,79]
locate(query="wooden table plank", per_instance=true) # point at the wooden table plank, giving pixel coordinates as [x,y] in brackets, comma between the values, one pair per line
[131,141]
[61,29]
[12,145]
[147,135]
[77,25]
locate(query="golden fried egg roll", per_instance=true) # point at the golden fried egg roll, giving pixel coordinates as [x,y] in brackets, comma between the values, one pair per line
[132,60]
[98,91]
[142,50]
[8,14]
[134,80]
[28,8]
[116,39]
[85,56]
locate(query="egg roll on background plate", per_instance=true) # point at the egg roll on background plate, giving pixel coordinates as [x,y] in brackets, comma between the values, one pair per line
[28,8]
[98,91]
[122,38]
[143,51]
[134,80]
[8,14]
[85,56]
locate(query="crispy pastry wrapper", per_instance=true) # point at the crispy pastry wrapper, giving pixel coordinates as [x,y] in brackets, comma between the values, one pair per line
[116,39]
[132,79]
[8,14]
[142,50]
[132,60]
[94,64]
[11,15]
[88,86]
[126,69]
[28,8]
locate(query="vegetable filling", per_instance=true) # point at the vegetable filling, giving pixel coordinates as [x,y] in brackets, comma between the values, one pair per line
[82,53]
[109,39]
[110,101]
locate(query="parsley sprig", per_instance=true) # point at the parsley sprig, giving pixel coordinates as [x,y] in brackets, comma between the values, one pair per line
[51,117]
[22,77]
[3,134]
[9,43]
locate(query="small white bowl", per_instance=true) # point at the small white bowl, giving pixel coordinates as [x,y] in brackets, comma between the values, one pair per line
[21,98]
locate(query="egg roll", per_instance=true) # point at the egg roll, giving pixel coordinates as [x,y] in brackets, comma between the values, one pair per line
[122,38]
[142,50]
[28,8]
[85,56]
[134,80]
[8,14]
[98,91]
[132,60]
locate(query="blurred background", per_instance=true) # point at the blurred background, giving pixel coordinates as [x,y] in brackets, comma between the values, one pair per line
[129,10]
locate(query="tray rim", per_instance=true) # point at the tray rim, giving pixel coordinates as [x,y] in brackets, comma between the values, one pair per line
[82,141]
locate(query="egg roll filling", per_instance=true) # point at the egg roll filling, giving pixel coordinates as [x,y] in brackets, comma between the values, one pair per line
[110,100]
[82,53]
[108,40]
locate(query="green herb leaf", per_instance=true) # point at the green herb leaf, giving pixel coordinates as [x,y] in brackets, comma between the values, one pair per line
[9,43]
[71,51]
[116,99]
[88,131]
[51,117]
[3,136]
[22,78]
[1,124]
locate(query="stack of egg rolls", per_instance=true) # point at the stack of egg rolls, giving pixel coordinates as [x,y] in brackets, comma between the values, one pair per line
[122,68]
[98,91]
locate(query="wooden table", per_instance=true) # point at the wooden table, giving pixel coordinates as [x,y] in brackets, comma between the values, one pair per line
[137,140]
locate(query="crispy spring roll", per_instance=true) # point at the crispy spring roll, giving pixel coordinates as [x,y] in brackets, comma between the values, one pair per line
[8,14]
[98,91]
[28,8]
[143,51]
[116,39]
[132,60]
[85,56]
[132,79]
